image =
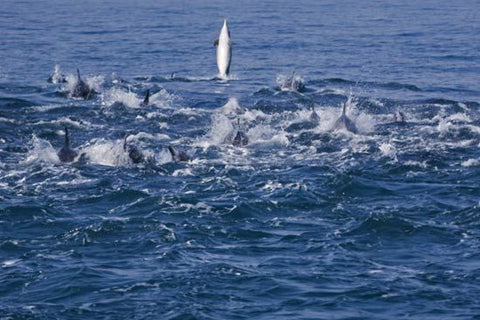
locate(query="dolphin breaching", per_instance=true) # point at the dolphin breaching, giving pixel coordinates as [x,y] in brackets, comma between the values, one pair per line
[224,51]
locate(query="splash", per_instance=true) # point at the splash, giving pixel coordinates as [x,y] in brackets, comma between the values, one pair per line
[107,153]
[263,134]
[40,150]
[232,107]
[57,76]
[220,129]
[115,95]
[388,150]
[291,82]
[471,163]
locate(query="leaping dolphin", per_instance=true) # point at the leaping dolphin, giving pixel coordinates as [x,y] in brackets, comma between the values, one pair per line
[344,122]
[133,152]
[66,154]
[224,51]
[81,89]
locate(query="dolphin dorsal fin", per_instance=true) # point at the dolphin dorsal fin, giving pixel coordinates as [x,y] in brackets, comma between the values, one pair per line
[125,142]
[172,151]
[344,111]
[146,101]
[67,138]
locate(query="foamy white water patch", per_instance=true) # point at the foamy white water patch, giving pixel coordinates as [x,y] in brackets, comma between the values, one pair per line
[263,134]
[388,150]
[95,82]
[220,129]
[232,107]
[163,99]
[116,95]
[107,152]
[471,163]
[57,76]
[41,150]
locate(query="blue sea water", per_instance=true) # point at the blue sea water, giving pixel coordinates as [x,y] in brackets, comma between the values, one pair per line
[302,223]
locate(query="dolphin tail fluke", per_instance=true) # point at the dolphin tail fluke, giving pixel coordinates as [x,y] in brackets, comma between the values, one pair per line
[146,101]
[78,75]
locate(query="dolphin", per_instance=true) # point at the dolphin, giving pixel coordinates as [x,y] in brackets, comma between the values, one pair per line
[344,122]
[178,155]
[224,51]
[133,152]
[398,117]
[81,89]
[66,154]
[146,101]
[314,118]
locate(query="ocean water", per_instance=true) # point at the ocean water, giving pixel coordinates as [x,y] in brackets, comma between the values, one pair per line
[304,222]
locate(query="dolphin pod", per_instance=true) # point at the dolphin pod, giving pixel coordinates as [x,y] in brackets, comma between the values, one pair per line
[237,138]
[224,51]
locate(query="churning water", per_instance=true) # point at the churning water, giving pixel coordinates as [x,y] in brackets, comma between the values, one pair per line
[303,222]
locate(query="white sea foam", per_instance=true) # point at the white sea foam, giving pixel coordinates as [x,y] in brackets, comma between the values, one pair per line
[220,129]
[128,99]
[106,152]
[262,134]
[232,107]
[471,163]
[388,150]
[41,150]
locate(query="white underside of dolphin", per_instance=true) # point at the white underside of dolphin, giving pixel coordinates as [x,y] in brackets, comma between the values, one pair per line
[224,51]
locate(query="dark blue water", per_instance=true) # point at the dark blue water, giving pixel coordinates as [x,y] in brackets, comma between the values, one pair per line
[302,223]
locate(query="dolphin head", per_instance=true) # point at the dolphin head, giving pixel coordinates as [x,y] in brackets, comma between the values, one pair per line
[225,32]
